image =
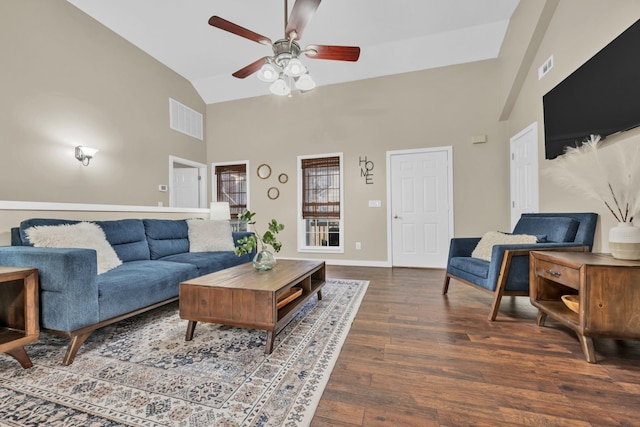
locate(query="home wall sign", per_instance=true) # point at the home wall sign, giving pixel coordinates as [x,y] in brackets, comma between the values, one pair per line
[366,168]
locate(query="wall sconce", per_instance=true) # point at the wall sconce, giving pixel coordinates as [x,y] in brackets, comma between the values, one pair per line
[85,154]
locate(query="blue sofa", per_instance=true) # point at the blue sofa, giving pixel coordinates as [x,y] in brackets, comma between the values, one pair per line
[75,300]
[507,271]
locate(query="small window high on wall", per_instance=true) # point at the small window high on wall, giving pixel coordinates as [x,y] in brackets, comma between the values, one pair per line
[230,182]
[320,227]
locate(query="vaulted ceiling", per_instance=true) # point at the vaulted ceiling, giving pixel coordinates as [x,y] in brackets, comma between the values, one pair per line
[394,36]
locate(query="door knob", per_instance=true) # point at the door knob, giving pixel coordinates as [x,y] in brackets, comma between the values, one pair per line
[396,217]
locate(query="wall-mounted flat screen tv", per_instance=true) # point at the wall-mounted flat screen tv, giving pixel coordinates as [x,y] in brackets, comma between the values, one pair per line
[602,97]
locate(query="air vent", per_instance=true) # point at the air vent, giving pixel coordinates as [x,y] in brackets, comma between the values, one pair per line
[545,68]
[184,119]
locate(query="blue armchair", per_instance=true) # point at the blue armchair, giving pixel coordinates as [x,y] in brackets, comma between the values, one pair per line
[507,271]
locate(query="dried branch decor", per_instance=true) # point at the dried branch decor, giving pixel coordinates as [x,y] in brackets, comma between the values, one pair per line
[610,174]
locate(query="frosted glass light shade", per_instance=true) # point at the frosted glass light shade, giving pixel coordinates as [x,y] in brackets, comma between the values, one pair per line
[280,87]
[268,73]
[85,154]
[295,68]
[305,82]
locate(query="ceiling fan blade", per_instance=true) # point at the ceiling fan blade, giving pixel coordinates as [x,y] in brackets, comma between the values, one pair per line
[250,69]
[223,24]
[301,14]
[336,53]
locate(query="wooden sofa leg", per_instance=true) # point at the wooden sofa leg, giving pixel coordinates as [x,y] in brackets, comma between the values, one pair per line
[21,356]
[74,346]
[445,285]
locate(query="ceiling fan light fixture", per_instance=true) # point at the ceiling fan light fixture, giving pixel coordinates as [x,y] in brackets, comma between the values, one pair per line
[295,68]
[305,82]
[268,73]
[280,87]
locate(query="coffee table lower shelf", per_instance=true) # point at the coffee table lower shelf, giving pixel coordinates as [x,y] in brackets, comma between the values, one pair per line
[243,297]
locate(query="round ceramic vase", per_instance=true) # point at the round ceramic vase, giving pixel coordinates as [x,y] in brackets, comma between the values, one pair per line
[624,241]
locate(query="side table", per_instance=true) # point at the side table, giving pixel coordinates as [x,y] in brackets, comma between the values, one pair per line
[608,290]
[19,311]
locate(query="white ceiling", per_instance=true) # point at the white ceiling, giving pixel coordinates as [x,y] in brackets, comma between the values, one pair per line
[394,36]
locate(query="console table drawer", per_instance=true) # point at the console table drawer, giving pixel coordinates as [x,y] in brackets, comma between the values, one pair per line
[558,273]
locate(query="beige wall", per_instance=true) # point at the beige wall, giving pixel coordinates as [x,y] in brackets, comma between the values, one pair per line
[577,31]
[433,108]
[66,80]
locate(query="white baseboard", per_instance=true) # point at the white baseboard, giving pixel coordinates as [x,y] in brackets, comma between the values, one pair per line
[346,262]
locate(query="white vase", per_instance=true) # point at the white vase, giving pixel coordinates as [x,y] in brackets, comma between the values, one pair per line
[624,241]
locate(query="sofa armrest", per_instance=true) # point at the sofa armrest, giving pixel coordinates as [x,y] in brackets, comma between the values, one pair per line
[67,280]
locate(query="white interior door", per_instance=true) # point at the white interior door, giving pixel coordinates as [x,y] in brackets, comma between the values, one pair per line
[524,172]
[420,208]
[186,187]
[184,175]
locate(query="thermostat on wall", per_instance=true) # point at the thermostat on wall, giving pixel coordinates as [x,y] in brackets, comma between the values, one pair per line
[163,187]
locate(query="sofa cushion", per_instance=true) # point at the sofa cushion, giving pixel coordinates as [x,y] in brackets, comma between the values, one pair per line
[81,235]
[472,266]
[138,284]
[557,229]
[166,237]
[207,262]
[127,238]
[490,239]
[209,236]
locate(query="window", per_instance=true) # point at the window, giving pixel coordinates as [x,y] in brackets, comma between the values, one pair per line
[321,209]
[230,182]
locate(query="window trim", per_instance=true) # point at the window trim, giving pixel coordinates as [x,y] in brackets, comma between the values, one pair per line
[214,179]
[301,228]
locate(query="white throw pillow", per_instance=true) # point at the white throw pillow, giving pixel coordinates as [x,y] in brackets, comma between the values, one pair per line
[81,235]
[485,245]
[210,236]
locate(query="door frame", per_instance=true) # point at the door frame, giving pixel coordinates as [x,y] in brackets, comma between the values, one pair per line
[202,182]
[449,150]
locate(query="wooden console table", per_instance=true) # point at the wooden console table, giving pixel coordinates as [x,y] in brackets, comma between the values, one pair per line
[608,290]
[19,311]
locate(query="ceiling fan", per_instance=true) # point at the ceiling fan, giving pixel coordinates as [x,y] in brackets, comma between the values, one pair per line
[284,67]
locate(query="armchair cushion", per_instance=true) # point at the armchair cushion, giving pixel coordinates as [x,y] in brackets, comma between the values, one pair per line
[557,229]
[491,238]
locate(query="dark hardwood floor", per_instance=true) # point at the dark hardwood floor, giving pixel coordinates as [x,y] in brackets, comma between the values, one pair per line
[414,357]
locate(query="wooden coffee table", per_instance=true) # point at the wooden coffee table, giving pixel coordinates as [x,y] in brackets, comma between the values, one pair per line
[244,297]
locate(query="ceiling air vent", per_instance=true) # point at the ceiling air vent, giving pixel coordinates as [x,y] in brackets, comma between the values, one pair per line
[184,119]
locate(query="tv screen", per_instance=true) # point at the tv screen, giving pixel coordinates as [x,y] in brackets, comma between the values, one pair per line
[602,97]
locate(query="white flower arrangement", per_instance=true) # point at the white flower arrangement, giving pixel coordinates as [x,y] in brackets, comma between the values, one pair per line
[611,174]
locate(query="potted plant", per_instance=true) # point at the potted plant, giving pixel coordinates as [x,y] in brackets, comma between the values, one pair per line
[611,175]
[264,259]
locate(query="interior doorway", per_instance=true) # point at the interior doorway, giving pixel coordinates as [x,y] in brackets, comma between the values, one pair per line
[188,186]
[420,207]
[524,172]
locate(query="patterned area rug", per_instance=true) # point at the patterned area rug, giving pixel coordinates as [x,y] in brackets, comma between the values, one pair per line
[142,372]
